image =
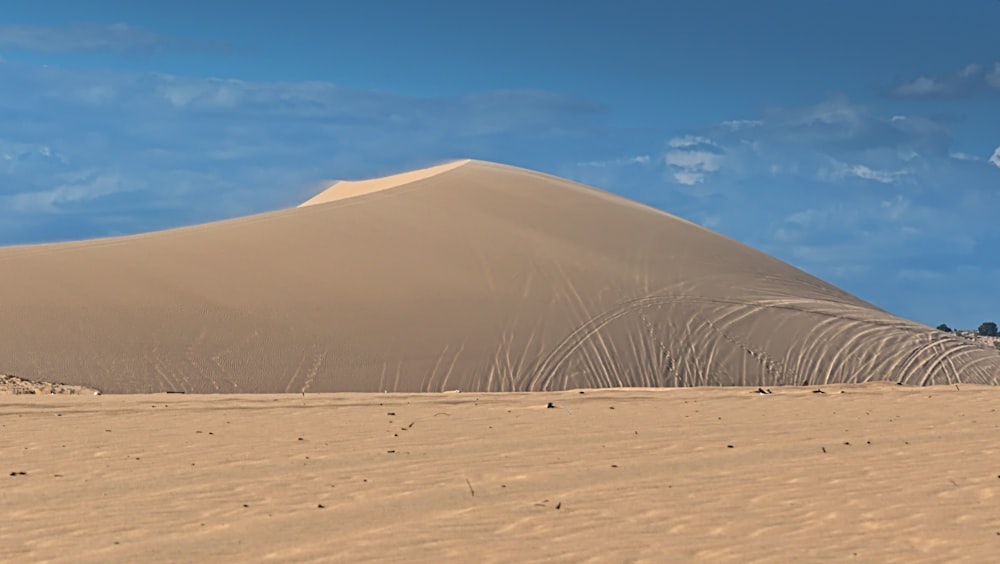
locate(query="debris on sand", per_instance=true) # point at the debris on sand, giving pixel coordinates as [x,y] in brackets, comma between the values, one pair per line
[15,386]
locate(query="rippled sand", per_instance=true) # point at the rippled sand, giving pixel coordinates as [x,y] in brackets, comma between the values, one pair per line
[871,473]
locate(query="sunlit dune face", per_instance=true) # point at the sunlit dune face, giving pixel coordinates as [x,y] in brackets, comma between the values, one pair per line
[352,188]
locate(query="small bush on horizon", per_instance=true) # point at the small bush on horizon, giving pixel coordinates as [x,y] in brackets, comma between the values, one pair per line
[944,327]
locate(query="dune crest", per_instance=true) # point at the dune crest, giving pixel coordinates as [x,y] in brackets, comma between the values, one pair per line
[472,276]
[345,189]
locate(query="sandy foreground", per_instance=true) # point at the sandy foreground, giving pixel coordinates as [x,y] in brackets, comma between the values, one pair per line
[872,473]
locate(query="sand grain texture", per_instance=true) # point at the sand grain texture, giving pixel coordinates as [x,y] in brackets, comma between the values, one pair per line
[472,276]
[908,475]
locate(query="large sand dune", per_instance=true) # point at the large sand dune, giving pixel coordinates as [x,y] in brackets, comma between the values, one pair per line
[470,276]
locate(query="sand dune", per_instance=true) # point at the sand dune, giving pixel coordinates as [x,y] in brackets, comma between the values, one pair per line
[471,276]
[881,473]
[351,188]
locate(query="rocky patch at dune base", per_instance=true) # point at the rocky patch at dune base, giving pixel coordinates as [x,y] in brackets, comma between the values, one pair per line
[14,385]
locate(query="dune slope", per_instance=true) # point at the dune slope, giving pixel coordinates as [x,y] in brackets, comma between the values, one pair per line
[474,276]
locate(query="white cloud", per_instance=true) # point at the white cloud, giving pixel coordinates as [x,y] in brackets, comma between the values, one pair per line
[837,111]
[896,209]
[885,177]
[892,192]
[240,146]
[690,166]
[971,80]
[622,161]
[841,170]
[960,156]
[809,142]
[689,178]
[697,160]
[995,157]
[206,94]
[970,70]
[118,37]
[804,217]
[738,124]
[783,235]
[920,87]
[83,187]
[17,156]
[993,77]
[690,141]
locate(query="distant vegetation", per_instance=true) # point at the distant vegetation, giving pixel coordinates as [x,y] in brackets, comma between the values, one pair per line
[986,329]
[986,334]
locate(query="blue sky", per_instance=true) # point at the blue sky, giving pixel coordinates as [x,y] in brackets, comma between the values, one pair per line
[859,141]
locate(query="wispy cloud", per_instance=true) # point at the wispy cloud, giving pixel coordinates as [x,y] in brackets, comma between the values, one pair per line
[834,141]
[921,87]
[71,189]
[738,124]
[971,80]
[960,156]
[114,37]
[993,77]
[848,192]
[692,157]
[841,170]
[133,152]
[622,161]
[688,141]
[995,157]
[690,167]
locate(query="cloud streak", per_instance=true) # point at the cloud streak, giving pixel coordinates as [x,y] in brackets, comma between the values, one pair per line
[841,170]
[75,38]
[971,80]
[133,152]
[622,161]
[691,158]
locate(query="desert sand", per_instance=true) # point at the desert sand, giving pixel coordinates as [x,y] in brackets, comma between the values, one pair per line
[879,473]
[468,276]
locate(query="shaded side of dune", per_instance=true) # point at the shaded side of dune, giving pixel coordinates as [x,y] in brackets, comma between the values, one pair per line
[482,277]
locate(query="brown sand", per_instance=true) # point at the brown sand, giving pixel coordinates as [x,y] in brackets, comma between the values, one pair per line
[471,276]
[607,476]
